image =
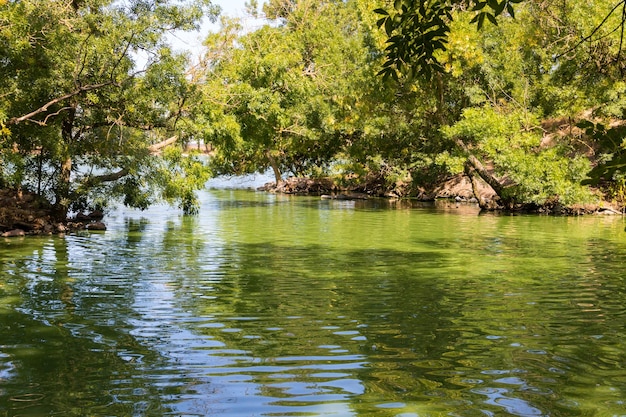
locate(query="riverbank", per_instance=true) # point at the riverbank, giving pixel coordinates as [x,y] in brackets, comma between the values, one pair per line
[24,213]
[457,188]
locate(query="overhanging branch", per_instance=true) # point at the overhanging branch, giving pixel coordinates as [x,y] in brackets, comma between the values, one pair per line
[95,180]
[78,91]
[44,108]
[99,179]
[158,146]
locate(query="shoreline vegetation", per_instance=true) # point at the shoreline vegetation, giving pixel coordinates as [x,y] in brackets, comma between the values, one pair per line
[24,213]
[401,101]
[458,189]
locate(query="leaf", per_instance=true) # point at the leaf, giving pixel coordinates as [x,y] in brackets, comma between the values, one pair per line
[381,11]
[397,4]
[584,124]
[607,170]
[479,5]
[510,10]
[492,19]
[481,20]
[389,27]
[500,8]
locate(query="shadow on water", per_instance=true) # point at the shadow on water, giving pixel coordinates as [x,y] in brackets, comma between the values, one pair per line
[305,307]
[64,348]
[232,199]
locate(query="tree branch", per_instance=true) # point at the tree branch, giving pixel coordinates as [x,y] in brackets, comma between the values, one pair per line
[99,179]
[597,28]
[92,181]
[44,108]
[158,146]
[78,91]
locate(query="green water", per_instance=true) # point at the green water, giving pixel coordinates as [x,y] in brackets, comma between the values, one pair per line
[267,305]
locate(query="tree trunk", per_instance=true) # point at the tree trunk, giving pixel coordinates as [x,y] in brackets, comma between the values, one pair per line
[62,193]
[473,164]
[277,174]
[483,203]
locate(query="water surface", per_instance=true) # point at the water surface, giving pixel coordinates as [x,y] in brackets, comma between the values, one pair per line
[267,305]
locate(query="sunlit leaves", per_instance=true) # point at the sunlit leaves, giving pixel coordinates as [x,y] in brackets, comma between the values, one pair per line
[418,32]
[74,93]
[291,87]
[535,174]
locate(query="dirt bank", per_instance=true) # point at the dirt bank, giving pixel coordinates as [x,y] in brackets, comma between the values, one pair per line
[456,188]
[23,213]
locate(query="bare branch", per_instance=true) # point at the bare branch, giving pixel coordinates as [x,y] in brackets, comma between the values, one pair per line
[125,53]
[92,181]
[597,28]
[44,108]
[45,121]
[78,91]
[158,146]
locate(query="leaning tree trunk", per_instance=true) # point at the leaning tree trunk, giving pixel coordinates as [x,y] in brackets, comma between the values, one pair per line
[473,165]
[277,174]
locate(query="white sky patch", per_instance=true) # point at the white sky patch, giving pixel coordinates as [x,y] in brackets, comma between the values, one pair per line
[192,41]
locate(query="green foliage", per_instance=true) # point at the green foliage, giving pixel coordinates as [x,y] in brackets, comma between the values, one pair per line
[82,119]
[611,141]
[536,174]
[418,31]
[284,96]
[78,109]
[302,93]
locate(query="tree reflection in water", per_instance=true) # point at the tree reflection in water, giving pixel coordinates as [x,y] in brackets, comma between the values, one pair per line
[284,306]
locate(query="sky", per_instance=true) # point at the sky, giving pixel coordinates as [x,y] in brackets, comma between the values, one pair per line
[192,41]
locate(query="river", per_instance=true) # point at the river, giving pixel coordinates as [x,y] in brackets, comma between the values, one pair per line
[269,305]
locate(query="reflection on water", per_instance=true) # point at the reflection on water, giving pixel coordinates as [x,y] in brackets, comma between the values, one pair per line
[279,306]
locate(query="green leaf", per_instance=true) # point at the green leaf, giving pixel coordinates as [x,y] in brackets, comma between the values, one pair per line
[389,26]
[381,11]
[481,21]
[500,8]
[510,10]
[479,5]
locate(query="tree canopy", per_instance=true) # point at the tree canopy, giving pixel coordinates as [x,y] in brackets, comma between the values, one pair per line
[417,31]
[502,102]
[91,90]
[385,97]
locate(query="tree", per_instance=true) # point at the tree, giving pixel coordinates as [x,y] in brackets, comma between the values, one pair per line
[288,88]
[91,93]
[417,31]
[573,66]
